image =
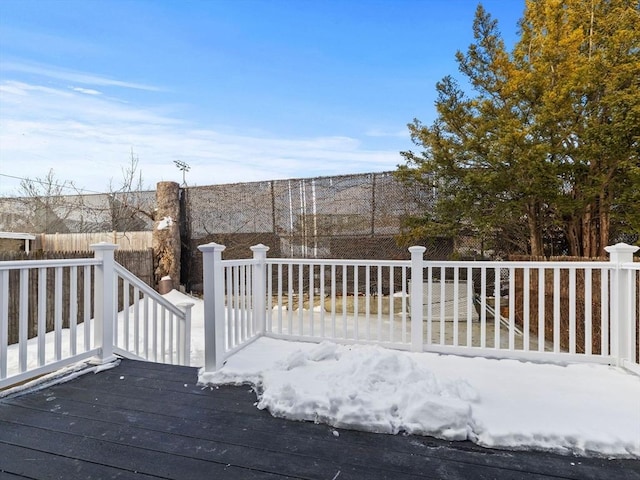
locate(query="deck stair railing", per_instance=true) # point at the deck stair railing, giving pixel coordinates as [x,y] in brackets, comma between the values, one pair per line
[540,311]
[68,311]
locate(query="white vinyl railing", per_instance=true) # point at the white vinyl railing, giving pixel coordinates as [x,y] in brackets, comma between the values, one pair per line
[66,311]
[545,311]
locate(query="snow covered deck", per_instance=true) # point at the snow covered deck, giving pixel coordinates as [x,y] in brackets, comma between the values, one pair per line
[147,420]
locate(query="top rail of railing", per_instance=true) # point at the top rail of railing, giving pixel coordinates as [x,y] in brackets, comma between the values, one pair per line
[31,264]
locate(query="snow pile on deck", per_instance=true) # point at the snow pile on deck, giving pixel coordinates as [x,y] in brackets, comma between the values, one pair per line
[579,409]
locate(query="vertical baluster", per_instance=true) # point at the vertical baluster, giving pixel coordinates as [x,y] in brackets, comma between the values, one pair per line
[154,307]
[57,322]
[230,334]
[290,298]
[404,303]
[379,292]
[604,312]
[115,320]
[125,313]
[556,310]
[4,321]
[456,297]
[163,333]
[442,304]
[87,307]
[483,307]
[344,301]
[233,301]
[269,322]
[42,315]
[237,303]
[312,299]
[147,319]
[300,299]
[541,308]
[136,319]
[572,310]
[429,304]
[526,308]
[248,306]
[391,299]
[588,312]
[333,301]
[512,308]
[322,300]
[367,305]
[497,324]
[172,350]
[23,318]
[470,306]
[356,300]
[73,309]
[280,298]
[243,303]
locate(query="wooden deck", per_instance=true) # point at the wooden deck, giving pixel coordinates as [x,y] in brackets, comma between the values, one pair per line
[145,420]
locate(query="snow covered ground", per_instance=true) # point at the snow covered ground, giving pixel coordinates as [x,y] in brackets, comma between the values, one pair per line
[579,409]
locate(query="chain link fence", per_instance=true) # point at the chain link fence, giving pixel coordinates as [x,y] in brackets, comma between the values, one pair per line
[350,216]
[324,217]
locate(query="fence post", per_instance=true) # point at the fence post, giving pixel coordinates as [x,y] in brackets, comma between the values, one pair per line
[622,308]
[184,333]
[104,302]
[259,285]
[214,315]
[415,297]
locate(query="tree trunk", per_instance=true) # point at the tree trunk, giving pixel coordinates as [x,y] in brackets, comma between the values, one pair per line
[535,229]
[605,224]
[572,232]
[587,232]
[166,233]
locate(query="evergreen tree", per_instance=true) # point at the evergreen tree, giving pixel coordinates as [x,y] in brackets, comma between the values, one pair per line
[548,143]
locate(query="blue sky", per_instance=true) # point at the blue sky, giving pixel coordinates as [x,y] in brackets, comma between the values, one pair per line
[240,90]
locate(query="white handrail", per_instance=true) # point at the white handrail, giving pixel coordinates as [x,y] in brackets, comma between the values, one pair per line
[99,338]
[58,262]
[529,310]
[146,289]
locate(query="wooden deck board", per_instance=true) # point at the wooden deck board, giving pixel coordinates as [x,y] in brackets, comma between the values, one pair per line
[145,420]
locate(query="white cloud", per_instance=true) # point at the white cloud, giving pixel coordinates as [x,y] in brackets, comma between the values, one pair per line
[72,76]
[379,132]
[86,137]
[86,91]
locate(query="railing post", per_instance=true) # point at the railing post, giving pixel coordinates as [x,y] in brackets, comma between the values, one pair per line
[260,285]
[416,294]
[104,302]
[184,332]
[622,308]
[214,315]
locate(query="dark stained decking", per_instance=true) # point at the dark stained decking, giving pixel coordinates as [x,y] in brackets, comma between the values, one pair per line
[148,421]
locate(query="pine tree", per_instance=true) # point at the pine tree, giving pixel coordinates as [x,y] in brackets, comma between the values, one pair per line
[549,141]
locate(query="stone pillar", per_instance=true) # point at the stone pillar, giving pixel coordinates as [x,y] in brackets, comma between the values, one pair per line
[166,233]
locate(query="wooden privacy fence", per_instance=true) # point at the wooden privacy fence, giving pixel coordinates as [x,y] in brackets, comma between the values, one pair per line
[140,263]
[71,242]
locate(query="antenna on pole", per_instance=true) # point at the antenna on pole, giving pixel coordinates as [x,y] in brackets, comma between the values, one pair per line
[184,167]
